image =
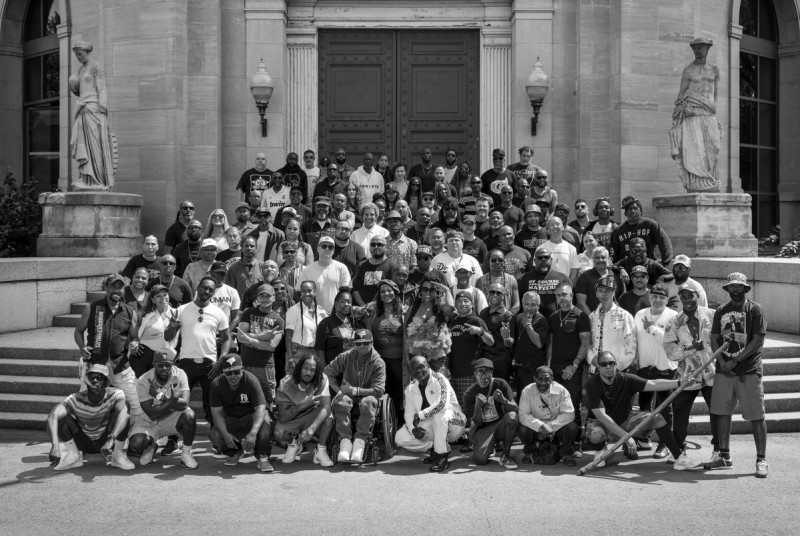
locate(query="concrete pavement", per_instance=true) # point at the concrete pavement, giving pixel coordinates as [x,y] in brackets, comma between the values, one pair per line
[398,496]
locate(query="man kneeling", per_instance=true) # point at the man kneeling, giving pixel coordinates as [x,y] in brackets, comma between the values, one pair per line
[433,416]
[610,395]
[90,422]
[363,384]
[241,420]
[164,396]
[490,401]
[546,413]
[304,406]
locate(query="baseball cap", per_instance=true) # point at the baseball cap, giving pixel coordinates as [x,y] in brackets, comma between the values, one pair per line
[158,287]
[243,205]
[288,211]
[498,152]
[464,294]
[684,260]
[469,217]
[659,289]
[362,335]
[326,240]
[424,250]
[165,354]
[482,363]
[262,210]
[428,194]
[289,246]
[533,208]
[390,186]
[606,282]
[218,265]
[112,278]
[231,362]
[562,206]
[266,289]
[321,200]
[452,233]
[688,287]
[393,215]
[97,367]
[639,269]
[461,268]
[209,243]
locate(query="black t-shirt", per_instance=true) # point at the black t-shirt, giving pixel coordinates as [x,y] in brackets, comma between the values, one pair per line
[259,321]
[253,179]
[179,291]
[490,176]
[633,303]
[474,390]
[738,325]
[334,337]
[295,176]
[566,330]
[654,270]
[351,255]
[426,178]
[420,237]
[368,276]
[138,261]
[530,240]
[545,286]
[494,321]
[586,283]
[512,216]
[477,248]
[466,347]
[229,256]
[525,352]
[175,234]
[184,253]
[241,402]
[618,408]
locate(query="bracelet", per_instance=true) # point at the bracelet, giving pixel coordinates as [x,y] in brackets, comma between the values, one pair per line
[358,391]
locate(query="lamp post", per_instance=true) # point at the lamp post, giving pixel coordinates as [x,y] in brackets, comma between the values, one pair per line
[261,87]
[537,85]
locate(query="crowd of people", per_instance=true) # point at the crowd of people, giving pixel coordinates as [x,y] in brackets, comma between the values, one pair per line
[486,309]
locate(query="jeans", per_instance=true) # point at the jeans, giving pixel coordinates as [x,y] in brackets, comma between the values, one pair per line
[342,413]
[574,386]
[484,438]
[646,398]
[197,373]
[683,409]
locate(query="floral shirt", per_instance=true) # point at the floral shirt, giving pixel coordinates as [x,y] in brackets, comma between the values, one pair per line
[678,338]
[428,339]
[613,331]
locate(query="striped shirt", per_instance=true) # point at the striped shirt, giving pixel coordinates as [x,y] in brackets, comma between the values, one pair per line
[467,204]
[93,419]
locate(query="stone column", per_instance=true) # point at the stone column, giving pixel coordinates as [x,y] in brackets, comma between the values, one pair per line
[496,93]
[303,89]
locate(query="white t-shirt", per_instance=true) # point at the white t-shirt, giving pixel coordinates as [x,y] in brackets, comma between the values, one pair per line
[304,328]
[328,280]
[313,177]
[369,183]
[677,306]
[445,263]
[564,256]
[227,299]
[274,201]
[650,343]
[199,339]
[362,235]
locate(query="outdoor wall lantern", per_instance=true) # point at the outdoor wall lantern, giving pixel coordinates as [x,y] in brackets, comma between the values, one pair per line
[537,86]
[261,87]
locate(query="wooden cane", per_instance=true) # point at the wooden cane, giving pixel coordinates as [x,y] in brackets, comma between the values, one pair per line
[588,467]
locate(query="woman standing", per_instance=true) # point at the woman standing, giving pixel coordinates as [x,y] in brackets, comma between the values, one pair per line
[353,198]
[391,196]
[304,255]
[585,259]
[302,321]
[384,168]
[400,179]
[135,295]
[386,324]
[414,195]
[461,180]
[158,331]
[216,227]
[427,332]
[335,333]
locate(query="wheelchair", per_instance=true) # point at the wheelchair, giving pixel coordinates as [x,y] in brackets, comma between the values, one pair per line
[380,445]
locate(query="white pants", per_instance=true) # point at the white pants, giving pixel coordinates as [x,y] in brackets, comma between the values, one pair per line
[440,430]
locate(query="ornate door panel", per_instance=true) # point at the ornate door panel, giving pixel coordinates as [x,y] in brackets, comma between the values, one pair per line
[398,92]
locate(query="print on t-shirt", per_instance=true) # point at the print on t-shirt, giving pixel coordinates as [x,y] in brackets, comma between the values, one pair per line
[259,182]
[734,332]
[373,278]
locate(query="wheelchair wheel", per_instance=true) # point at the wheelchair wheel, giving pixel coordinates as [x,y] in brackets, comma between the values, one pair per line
[388,426]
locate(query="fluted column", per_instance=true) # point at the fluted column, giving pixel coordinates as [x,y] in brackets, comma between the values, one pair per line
[302,99]
[495,93]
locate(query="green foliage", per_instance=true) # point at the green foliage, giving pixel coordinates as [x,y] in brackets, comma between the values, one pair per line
[20,217]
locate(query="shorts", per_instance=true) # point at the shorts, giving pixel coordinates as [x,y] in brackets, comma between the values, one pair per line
[633,420]
[157,429]
[748,390]
[298,424]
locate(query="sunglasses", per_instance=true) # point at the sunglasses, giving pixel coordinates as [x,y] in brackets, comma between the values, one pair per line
[362,343]
[195,228]
[200,318]
[377,245]
[495,293]
[187,208]
[525,187]
[427,289]
[232,372]
[499,158]
[607,364]
[496,261]
[95,377]
[543,258]
[325,246]
[168,263]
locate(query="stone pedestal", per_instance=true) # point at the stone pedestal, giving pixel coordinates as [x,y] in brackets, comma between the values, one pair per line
[708,225]
[90,224]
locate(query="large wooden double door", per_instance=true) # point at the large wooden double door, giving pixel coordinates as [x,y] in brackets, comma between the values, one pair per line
[397,92]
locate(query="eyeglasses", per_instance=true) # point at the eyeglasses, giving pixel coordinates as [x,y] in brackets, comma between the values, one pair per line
[232,372]
[200,318]
[580,207]
[506,192]
[496,261]
[292,251]
[168,263]
[483,372]
[606,364]
[325,246]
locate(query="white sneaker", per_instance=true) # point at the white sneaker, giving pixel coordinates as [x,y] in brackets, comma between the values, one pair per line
[187,460]
[148,453]
[70,457]
[599,454]
[357,456]
[577,454]
[120,459]
[714,455]
[683,463]
[345,448]
[291,452]
[762,469]
[321,457]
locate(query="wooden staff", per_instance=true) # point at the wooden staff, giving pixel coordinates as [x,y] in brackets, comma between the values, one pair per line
[589,466]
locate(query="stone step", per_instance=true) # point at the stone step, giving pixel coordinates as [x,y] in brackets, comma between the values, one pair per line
[95,295]
[77,308]
[38,368]
[781,365]
[783,422]
[46,343]
[39,386]
[25,403]
[786,383]
[773,403]
[66,321]
[23,421]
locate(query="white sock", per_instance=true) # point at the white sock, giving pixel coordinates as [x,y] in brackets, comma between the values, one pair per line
[321,448]
[187,449]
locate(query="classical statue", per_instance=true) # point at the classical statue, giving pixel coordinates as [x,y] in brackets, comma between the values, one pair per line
[695,133]
[94,146]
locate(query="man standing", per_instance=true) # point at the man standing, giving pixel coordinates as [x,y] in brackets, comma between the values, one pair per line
[198,269]
[370,228]
[147,259]
[399,248]
[345,169]
[424,258]
[490,402]
[645,228]
[496,274]
[256,178]
[164,396]
[524,169]
[246,271]
[347,252]
[638,297]
[512,215]
[500,322]
[424,171]
[546,413]
[432,414]
[370,272]
[603,226]
[331,185]
[468,333]
[517,260]
[613,329]
[188,251]
[312,172]
[543,281]
[112,329]
[276,196]
[494,179]
[365,177]
[363,375]
[681,268]
[742,325]
[453,257]
[294,176]
[266,236]
[90,422]
[450,167]
[327,274]
[532,235]
[473,245]
[565,256]
[225,297]
[636,255]
[581,221]
[177,231]
[295,209]
[179,290]
[259,333]
[569,234]
[541,190]
[585,295]
[419,232]
[243,222]
[201,322]
[242,422]
[468,203]
[321,225]
[234,237]
[339,210]
[530,350]
[521,194]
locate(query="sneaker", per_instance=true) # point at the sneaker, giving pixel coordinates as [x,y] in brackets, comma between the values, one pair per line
[467,448]
[762,469]
[661,452]
[321,457]
[170,447]
[683,463]
[714,454]
[69,459]
[528,458]
[264,466]
[644,444]
[233,460]
[345,448]
[148,453]
[187,460]
[120,459]
[357,454]
[631,453]
[718,463]
[440,465]
[599,454]
[670,458]
[507,462]
[577,454]
[291,452]
[569,461]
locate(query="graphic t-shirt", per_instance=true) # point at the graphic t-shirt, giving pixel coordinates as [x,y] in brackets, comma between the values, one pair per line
[239,402]
[253,179]
[530,240]
[259,322]
[545,286]
[149,388]
[738,325]
[368,276]
[466,347]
